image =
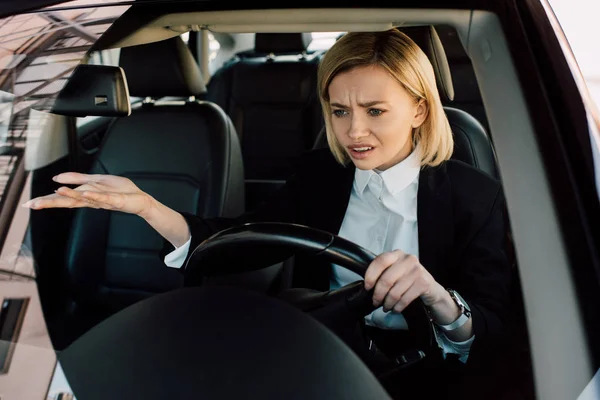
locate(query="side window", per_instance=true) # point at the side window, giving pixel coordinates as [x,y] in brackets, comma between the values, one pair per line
[323,40]
[575,24]
[105,57]
[185,37]
[214,47]
[223,47]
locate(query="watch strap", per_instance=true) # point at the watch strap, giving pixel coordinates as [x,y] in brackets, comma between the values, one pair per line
[465,313]
[460,321]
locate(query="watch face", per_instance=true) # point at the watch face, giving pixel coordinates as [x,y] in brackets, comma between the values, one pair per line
[458,298]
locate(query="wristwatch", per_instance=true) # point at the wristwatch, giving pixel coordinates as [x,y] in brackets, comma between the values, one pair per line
[465,312]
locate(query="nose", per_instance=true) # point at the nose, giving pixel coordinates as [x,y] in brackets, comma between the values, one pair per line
[358,127]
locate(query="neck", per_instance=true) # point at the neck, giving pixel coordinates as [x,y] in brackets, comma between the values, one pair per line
[401,156]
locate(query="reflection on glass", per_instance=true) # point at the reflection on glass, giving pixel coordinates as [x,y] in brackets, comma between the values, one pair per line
[6,107]
[59,387]
[12,314]
[38,53]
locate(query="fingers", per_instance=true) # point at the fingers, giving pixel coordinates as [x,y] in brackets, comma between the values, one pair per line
[406,298]
[395,294]
[58,201]
[76,178]
[397,278]
[109,201]
[401,272]
[115,201]
[83,196]
[94,190]
[380,264]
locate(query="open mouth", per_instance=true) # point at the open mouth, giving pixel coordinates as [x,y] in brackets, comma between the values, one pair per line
[360,152]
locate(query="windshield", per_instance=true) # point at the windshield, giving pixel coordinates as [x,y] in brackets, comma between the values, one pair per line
[207,124]
[38,53]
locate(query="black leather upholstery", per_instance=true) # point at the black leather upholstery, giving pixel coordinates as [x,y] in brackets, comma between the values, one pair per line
[165,68]
[471,142]
[281,42]
[113,257]
[274,106]
[184,154]
[427,39]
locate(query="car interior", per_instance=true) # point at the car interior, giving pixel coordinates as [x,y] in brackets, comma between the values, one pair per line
[230,144]
[215,147]
[208,107]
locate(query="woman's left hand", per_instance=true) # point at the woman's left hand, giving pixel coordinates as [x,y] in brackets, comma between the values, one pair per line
[399,278]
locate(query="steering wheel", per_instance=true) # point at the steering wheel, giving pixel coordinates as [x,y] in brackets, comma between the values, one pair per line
[230,342]
[338,309]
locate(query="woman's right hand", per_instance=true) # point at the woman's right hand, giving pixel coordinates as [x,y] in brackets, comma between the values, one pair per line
[107,192]
[111,192]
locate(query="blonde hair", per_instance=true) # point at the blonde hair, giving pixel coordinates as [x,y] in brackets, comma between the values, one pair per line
[405,62]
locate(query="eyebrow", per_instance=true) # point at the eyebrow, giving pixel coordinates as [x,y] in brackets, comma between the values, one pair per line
[365,105]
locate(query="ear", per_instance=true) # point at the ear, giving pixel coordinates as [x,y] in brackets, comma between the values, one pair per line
[421,112]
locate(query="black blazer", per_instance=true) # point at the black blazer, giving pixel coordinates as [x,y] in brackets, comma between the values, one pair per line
[460,223]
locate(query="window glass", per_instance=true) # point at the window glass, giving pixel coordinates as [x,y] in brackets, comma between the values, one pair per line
[185,37]
[323,40]
[576,18]
[39,52]
[214,46]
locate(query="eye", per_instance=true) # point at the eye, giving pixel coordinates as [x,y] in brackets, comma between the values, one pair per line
[375,112]
[339,113]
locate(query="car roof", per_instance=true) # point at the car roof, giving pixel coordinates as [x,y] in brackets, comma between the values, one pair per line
[143,12]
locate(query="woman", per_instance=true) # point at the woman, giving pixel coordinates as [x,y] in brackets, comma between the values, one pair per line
[386,183]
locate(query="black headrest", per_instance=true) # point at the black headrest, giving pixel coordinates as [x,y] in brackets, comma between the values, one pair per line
[97,90]
[281,42]
[471,142]
[428,40]
[159,69]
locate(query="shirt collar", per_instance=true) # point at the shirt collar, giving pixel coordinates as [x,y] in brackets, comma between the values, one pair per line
[396,178]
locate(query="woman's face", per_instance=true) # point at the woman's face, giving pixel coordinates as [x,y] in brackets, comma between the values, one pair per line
[373,117]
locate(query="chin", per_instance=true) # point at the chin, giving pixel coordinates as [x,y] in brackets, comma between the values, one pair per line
[365,165]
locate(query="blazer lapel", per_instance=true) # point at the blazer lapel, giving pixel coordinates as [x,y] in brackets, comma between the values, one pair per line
[328,208]
[334,195]
[434,215]
[435,221]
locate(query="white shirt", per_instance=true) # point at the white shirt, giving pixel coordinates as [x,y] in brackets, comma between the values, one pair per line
[381,216]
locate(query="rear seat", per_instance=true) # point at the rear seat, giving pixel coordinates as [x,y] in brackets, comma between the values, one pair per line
[270,94]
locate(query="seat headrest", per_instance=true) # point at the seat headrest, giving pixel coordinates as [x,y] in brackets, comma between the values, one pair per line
[159,69]
[94,90]
[281,42]
[428,40]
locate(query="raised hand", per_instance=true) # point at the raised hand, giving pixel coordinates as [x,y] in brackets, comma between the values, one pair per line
[107,192]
